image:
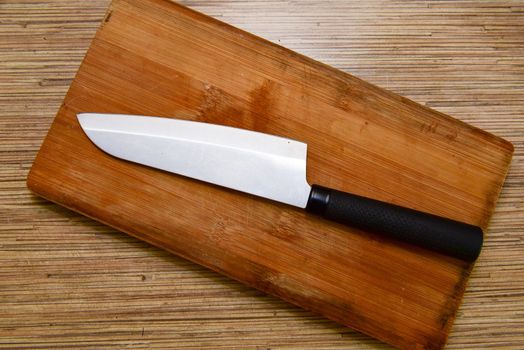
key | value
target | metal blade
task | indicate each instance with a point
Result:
(264, 165)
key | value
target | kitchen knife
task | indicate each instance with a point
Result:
(271, 167)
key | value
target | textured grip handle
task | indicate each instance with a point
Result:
(436, 233)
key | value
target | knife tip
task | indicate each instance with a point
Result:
(87, 120)
(81, 117)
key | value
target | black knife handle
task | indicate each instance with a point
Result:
(436, 233)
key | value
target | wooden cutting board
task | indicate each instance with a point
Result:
(153, 57)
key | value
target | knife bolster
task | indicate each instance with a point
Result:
(318, 200)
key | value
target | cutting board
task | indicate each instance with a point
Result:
(154, 57)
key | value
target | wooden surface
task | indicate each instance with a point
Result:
(68, 281)
(152, 57)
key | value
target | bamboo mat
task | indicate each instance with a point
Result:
(66, 281)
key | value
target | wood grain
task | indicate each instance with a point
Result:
(153, 57)
(83, 299)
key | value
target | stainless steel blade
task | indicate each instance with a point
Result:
(252, 162)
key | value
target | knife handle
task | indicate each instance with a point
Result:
(446, 236)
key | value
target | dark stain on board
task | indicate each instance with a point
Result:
(218, 107)
(451, 306)
(262, 103)
(108, 17)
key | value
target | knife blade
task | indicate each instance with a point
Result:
(271, 167)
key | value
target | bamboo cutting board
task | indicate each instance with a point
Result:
(154, 57)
